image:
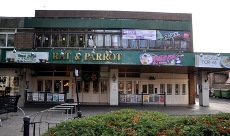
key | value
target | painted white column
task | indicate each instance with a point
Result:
(204, 90)
(113, 86)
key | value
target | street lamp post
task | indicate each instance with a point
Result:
(79, 114)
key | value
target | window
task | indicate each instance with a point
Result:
(40, 85)
(177, 89)
(129, 87)
(151, 89)
(57, 86)
(10, 40)
(72, 40)
(121, 86)
(136, 87)
(38, 40)
(99, 40)
(133, 43)
(116, 41)
(46, 40)
(6, 40)
(144, 88)
(107, 40)
(169, 89)
(143, 44)
(104, 87)
(55, 40)
(183, 89)
(86, 86)
(63, 40)
(2, 40)
(162, 88)
(95, 87)
(81, 40)
(48, 85)
(151, 44)
(125, 43)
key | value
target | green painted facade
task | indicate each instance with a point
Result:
(118, 57)
(92, 23)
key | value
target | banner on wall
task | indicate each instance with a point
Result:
(212, 61)
(166, 59)
(138, 34)
(27, 57)
(173, 35)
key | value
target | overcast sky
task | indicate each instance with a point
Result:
(211, 20)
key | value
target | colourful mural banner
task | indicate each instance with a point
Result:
(173, 35)
(138, 34)
(166, 59)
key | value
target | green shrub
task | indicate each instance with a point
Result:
(129, 122)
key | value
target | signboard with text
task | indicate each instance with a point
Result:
(212, 61)
(27, 57)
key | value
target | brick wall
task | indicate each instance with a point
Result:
(24, 40)
(218, 81)
(192, 88)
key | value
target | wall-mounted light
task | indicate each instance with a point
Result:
(14, 50)
(62, 53)
(181, 54)
(32, 53)
(114, 77)
(201, 55)
(93, 52)
(218, 55)
(207, 77)
(110, 52)
(79, 53)
(145, 54)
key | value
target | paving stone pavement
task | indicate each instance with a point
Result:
(13, 125)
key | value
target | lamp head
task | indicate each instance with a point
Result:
(76, 72)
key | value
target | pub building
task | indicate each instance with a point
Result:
(120, 57)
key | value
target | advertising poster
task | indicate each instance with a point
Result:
(139, 98)
(122, 98)
(35, 96)
(138, 34)
(146, 98)
(166, 59)
(61, 97)
(133, 98)
(41, 97)
(49, 97)
(29, 97)
(55, 97)
(151, 98)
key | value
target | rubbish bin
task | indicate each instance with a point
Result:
(225, 93)
(217, 93)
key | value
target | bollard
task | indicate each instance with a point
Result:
(79, 114)
(26, 120)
